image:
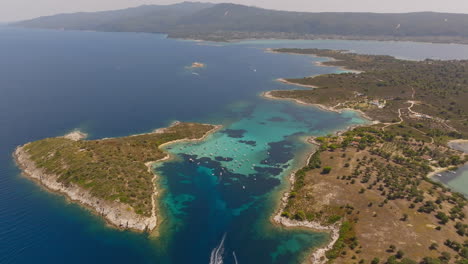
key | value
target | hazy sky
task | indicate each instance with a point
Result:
(11, 10)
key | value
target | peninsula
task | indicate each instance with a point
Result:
(113, 176)
(372, 186)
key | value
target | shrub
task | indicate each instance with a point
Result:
(326, 170)
(442, 217)
(333, 219)
(300, 215)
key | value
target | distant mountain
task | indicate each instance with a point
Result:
(230, 21)
(146, 18)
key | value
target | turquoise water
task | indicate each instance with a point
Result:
(228, 185)
(218, 194)
(456, 180)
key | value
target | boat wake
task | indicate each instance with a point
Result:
(235, 257)
(217, 253)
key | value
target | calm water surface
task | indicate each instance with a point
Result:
(458, 179)
(219, 193)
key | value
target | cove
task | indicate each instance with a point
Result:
(227, 187)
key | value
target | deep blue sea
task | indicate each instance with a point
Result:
(117, 84)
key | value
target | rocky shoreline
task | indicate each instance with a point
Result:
(116, 214)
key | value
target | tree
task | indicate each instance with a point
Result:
(286, 214)
(464, 252)
(300, 216)
(442, 217)
(326, 170)
(405, 217)
(461, 228)
(445, 256)
(433, 246)
(375, 261)
(408, 261)
(400, 254)
(428, 260)
(392, 260)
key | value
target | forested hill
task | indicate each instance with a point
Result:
(230, 21)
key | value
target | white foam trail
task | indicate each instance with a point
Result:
(235, 257)
(217, 253)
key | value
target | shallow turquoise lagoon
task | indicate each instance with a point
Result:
(226, 188)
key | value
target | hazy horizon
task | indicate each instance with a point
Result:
(15, 10)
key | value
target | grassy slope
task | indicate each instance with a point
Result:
(112, 169)
(377, 178)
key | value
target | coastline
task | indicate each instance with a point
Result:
(282, 80)
(318, 255)
(324, 38)
(320, 106)
(76, 135)
(343, 68)
(460, 142)
(115, 214)
(317, 63)
(450, 144)
(169, 157)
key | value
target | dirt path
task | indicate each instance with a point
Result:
(396, 123)
(410, 110)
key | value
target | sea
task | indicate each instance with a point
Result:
(216, 196)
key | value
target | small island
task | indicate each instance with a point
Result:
(372, 187)
(197, 65)
(112, 177)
